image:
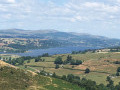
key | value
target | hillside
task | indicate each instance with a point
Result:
(101, 65)
(12, 78)
(66, 38)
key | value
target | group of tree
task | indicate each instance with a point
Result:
(117, 62)
(19, 61)
(111, 86)
(58, 60)
(114, 49)
(69, 60)
(57, 66)
(45, 55)
(84, 51)
(38, 59)
(87, 84)
(118, 71)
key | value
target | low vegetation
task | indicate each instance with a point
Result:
(13, 78)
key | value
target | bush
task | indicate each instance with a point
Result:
(58, 60)
(117, 74)
(118, 69)
(87, 70)
(57, 66)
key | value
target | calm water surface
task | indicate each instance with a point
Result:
(52, 51)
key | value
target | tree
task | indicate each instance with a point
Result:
(69, 58)
(58, 60)
(57, 66)
(110, 84)
(45, 55)
(54, 75)
(37, 60)
(87, 70)
(74, 52)
(28, 61)
(117, 74)
(77, 78)
(70, 77)
(73, 62)
(25, 66)
(118, 69)
(78, 62)
(108, 78)
(64, 77)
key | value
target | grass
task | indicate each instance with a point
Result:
(58, 84)
(100, 64)
(18, 79)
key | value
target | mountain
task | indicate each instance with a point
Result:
(75, 39)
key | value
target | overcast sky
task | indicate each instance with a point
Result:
(97, 17)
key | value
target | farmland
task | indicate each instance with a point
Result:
(101, 65)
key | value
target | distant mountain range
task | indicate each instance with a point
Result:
(68, 38)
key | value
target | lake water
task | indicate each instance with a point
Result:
(52, 51)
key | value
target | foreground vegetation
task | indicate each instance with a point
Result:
(18, 79)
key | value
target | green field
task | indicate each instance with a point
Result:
(100, 64)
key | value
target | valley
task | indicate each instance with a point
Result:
(53, 60)
(102, 64)
(20, 41)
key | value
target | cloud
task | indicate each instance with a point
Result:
(47, 13)
(73, 11)
(11, 1)
(101, 7)
(7, 1)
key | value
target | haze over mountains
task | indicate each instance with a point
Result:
(68, 38)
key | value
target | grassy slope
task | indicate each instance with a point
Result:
(100, 64)
(12, 78)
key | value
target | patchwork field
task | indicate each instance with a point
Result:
(101, 65)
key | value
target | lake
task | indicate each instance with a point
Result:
(52, 51)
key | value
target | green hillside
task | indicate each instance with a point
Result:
(12, 78)
(101, 65)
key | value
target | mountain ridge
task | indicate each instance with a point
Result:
(71, 38)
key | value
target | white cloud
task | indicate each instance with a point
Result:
(11, 1)
(7, 16)
(75, 12)
(118, 1)
(101, 7)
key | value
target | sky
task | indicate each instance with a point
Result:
(96, 17)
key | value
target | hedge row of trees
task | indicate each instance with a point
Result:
(117, 62)
(20, 60)
(83, 82)
(69, 60)
(84, 51)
